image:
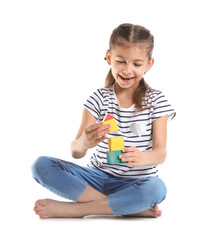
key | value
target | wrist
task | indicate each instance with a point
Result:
(154, 157)
(78, 149)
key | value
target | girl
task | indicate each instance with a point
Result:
(132, 188)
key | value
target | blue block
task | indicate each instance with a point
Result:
(113, 157)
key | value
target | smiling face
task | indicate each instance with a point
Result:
(128, 64)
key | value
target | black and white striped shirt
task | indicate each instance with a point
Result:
(104, 101)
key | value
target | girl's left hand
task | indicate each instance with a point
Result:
(133, 156)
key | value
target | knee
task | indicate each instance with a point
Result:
(153, 191)
(40, 167)
(158, 190)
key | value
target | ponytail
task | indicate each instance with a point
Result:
(139, 95)
(110, 80)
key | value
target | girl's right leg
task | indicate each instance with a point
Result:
(48, 208)
(65, 180)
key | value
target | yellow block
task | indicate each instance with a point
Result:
(116, 143)
(112, 123)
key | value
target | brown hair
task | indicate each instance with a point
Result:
(129, 34)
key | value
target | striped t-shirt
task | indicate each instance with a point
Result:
(104, 101)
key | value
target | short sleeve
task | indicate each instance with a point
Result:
(94, 104)
(162, 107)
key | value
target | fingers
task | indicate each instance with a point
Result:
(101, 132)
(133, 156)
(129, 149)
(128, 155)
(94, 127)
(100, 139)
(97, 130)
(95, 134)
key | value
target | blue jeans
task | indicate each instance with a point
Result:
(125, 195)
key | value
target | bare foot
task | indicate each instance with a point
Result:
(48, 208)
(153, 212)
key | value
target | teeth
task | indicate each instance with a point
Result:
(126, 78)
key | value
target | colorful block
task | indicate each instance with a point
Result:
(108, 117)
(112, 123)
(113, 157)
(116, 143)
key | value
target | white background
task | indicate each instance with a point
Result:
(52, 59)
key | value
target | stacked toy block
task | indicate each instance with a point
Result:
(115, 144)
(111, 120)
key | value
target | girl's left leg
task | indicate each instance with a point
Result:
(139, 199)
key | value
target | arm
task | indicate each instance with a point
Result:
(158, 154)
(89, 135)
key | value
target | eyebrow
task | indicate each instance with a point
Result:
(136, 60)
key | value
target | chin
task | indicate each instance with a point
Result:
(127, 84)
(122, 85)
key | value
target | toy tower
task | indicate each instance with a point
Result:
(115, 144)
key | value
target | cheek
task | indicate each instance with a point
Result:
(116, 69)
(113, 71)
(139, 73)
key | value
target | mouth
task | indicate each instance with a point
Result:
(126, 80)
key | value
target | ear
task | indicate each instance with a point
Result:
(149, 65)
(108, 57)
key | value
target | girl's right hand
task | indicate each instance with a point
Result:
(94, 134)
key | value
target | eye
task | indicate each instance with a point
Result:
(120, 61)
(137, 65)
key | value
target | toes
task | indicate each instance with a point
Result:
(40, 202)
(37, 203)
(44, 217)
(159, 213)
(155, 211)
(40, 208)
(155, 208)
(41, 213)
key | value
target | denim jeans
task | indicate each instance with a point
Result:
(125, 195)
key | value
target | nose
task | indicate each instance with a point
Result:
(127, 68)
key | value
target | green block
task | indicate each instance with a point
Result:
(113, 157)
